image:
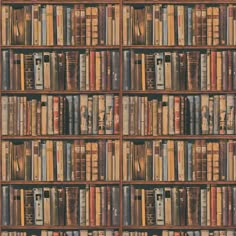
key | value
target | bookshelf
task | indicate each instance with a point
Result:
(118, 209)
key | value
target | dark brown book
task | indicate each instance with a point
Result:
(72, 60)
(139, 162)
(149, 24)
(108, 197)
(18, 165)
(29, 71)
(27, 160)
(139, 26)
(230, 206)
(150, 207)
(204, 159)
(18, 26)
(148, 160)
(102, 24)
(72, 196)
(150, 71)
(102, 159)
(29, 206)
(193, 202)
(92, 77)
(198, 24)
(61, 71)
(182, 206)
(223, 24)
(77, 24)
(198, 160)
(183, 71)
(193, 70)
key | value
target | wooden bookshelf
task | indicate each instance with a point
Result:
(121, 92)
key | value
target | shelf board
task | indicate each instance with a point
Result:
(23, 182)
(182, 137)
(60, 137)
(185, 227)
(58, 227)
(94, 2)
(132, 2)
(145, 182)
(55, 92)
(53, 47)
(173, 47)
(174, 92)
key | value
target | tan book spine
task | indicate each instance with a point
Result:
(117, 160)
(164, 114)
(215, 26)
(22, 74)
(98, 78)
(94, 25)
(98, 206)
(216, 162)
(143, 207)
(209, 25)
(94, 161)
(60, 25)
(88, 13)
(219, 82)
(117, 25)
(88, 161)
(230, 24)
(181, 24)
(209, 160)
(22, 207)
(219, 211)
(170, 25)
(143, 72)
(170, 161)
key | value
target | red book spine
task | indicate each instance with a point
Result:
(92, 208)
(92, 70)
(177, 114)
(116, 114)
(213, 70)
(213, 206)
(108, 206)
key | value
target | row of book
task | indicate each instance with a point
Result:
(49, 160)
(192, 206)
(169, 160)
(94, 206)
(67, 70)
(60, 25)
(84, 232)
(168, 114)
(192, 70)
(204, 232)
(162, 24)
(53, 115)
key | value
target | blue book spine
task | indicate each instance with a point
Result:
(44, 162)
(126, 205)
(165, 165)
(197, 114)
(5, 70)
(189, 164)
(196, 233)
(44, 26)
(190, 34)
(68, 161)
(165, 28)
(68, 26)
(75, 233)
(126, 70)
(5, 206)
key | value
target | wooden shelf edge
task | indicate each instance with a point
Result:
(58, 227)
(56, 92)
(57, 47)
(138, 182)
(20, 182)
(176, 47)
(181, 137)
(185, 227)
(177, 2)
(60, 137)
